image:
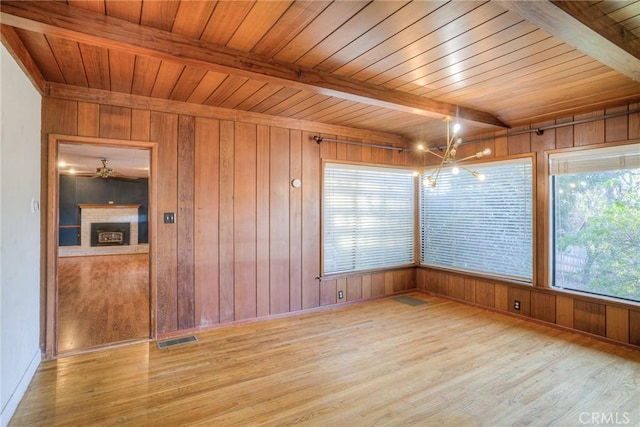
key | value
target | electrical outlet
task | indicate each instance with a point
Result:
(169, 217)
(340, 294)
(516, 305)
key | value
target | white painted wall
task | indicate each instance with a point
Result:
(20, 124)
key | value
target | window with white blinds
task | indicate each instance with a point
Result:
(368, 217)
(480, 226)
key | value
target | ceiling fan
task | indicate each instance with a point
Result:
(108, 163)
(104, 171)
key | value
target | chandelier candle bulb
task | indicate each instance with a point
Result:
(449, 156)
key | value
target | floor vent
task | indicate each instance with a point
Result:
(410, 300)
(177, 341)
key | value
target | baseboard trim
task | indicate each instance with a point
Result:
(18, 393)
(534, 320)
(199, 329)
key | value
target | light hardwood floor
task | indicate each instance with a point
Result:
(379, 362)
(102, 300)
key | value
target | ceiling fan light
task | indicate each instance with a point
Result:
(104, 171)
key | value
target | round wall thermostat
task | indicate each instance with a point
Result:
(296, 183)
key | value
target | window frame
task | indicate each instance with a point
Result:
(534, 210)
(550, 201)
(413, 263)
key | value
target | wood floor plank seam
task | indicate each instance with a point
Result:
(372, 363)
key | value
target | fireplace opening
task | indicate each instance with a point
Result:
(110, 233)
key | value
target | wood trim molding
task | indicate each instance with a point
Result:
(51, 272)
(73, 139)
(76, 93)
(289, 314)
(549, 290)
(530, 319)
(84, 26)
(106, 206)
(51, 299)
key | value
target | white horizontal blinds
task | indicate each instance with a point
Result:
(595, 160)
(480, 226)
(368, 217)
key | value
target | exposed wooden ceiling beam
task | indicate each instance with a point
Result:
(587, 29)
(20, 53)
(58, 19)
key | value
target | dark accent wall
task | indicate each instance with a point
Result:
(76, 190)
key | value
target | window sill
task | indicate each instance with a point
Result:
(585, 296)
(599, 299)
(481, 276)
(336, 276)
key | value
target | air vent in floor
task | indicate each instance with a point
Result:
(405, 299)
(177, 341)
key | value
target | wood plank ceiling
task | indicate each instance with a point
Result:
(391, 66)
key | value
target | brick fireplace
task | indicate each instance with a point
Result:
(114, 224)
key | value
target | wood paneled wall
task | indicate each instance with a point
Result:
(245, 244)
(603, 317)
(365, 286)
(613, 320)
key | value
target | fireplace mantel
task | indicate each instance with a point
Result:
(107, 206)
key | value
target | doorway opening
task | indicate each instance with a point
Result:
(100, 286)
